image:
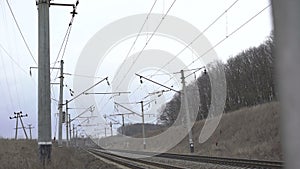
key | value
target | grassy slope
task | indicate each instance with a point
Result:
(247, 133)
(22, 154)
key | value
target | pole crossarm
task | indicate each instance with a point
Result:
(86, 110)
(118, 93)
(196, 70)
(115, 121)
(35, 67)
(120, 114)
(62, 4)
(133, 112)
(19, 115)
(87, 117)
(157, 83)
(88, 89)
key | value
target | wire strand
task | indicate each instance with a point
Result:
(226, 37)
(197, 37)
(19, 29)
(155, 30)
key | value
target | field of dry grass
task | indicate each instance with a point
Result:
(251, 132)
(247, 133)
(22, 154)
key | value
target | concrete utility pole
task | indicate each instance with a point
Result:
(187, 111)
(123, 125)
(123, 120)
(44, 102)
(142, 116)
(19, 115)
(286, 16)
(111, 131)
(73, 133)
(60, 102)
(70, 128)
(143, 124)
(67, 121)
(76, 136)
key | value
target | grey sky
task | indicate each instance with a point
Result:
(18, 90)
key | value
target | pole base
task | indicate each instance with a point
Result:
(192, 147)
(45, 154)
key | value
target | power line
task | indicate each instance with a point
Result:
(147, 17)
(153, 33)
(140, 31)
(66, 37)
(197, 37)
(6, 80)
(86, 76)
(5, 51)
(19, 29)
(200, 35)
(229, 35)
(222, 40)
(16, 86)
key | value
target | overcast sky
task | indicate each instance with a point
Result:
(18, 89)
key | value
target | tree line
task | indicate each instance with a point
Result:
(249, 80)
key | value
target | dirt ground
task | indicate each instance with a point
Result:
(23, 154)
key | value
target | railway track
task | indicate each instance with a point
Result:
(224, 161)
(130, 162)
(247, 163)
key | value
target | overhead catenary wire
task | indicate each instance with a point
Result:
(130, 49)
(13, 60)
(226, 37)
(146, 44)
(7, 83)
(141, 29)
(229, 35)
(86, 76)
(65, 41)
(196, 38)
(67, 34)
(199, 35)
(19, 29)
(139, 33)
(16, 86)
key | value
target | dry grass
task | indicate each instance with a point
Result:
(22, 154)
(251, 132)
(247, 133)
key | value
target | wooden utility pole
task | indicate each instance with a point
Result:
(30, 127)
(19, 115)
